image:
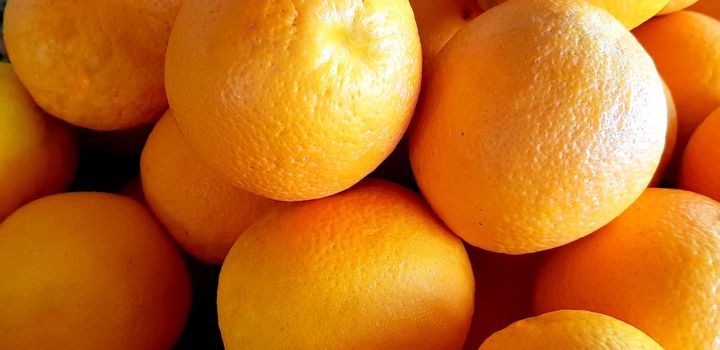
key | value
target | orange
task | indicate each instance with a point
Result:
(654, 267)
(686, 49)
(294, 100)
(522, 160)
(503, 292)
(89, 271)
(570, 330)
(708, 7)
(96, 64)
(676, 5)
(700, 169)
(629, 13)
(438, 21)
(670, 138)
(203, 213)
(38, 154)
(370, 268)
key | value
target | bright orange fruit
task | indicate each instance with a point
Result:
(522, 160)
(203, 213)
(670, 138)
(369, 268)
(654, 267)
(700, 169)
(89, 271)
(38, 154)
(631, 13)
(708, 7)
(294, 100)
(96, 64)
(676, 5)
(686, 49)
(570, 330)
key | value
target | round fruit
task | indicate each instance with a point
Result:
(203, 213)
(570, 330)
(654, 267)
(686, 49)
(438, 21)
(708, 7)
(521, 160)
(38, 154)
(96, 64)
(370, 268)
(670, 138)
(630, 13)
(700, 169)
(89, 271)
(294, 100)
(676, 5)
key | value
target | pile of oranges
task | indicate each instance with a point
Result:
(369, 174)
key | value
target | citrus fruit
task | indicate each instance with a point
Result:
(369, 268)
(686, 49)
(676, 5)
(654, 267)
(294, 100)
(700, 169)
(38, 154)
(96, 64)
(503, 291)
(670, 138)
(708, 7)
(630, 13)
(203, 213)
(570, 330)
(522, 160)
(438, 21)
(89, 271)
(133, 189)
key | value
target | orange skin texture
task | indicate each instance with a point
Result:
(654, 267)
(202, 212)
(708, 7)
(676, 5)
(38, 154)
(670, 139)
(686, 49)
(95, 64)
(522, 160)
(570, 330)
(305, 100)
(503, 291)
(89, 271)
(700, 169)
(629, 13)
(370, 268)
(438, 21)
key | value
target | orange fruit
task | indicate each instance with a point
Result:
(89, 271)
(503, 292)
(676, 5)
(438, 21)
(686, 49)
(96, 64)
(203, 213)
(38, 154)
(654, 267)
(522, 160)
(708, 7)
(670, 138)
(570, 330)
(700, 169)
(294, 100)
(369, 268)
(630, 13)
